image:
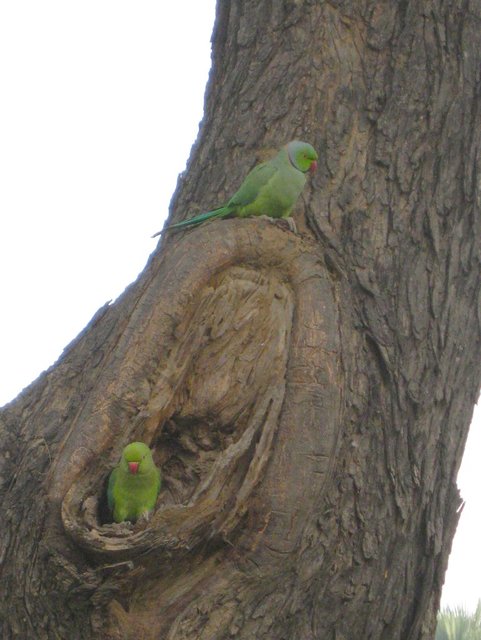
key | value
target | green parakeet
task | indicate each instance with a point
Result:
(134, 484)
(270, 189)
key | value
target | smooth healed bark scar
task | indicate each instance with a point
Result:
(234, 366)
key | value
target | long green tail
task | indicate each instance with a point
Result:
(215, 213)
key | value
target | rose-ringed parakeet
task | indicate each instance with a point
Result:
(134, 484)
(270, 189)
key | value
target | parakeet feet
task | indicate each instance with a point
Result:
(145, 516)
(286, 223)
(273, 187)
(291, 225)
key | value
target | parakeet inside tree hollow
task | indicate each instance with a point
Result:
(134, 484)
(270, 189)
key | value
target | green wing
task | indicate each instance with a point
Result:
(155, 488)
(258, 178)
(247, 193)
(110, 489)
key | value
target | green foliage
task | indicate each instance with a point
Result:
(458, 624)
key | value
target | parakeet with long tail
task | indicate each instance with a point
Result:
(270, 189)
(134, 484)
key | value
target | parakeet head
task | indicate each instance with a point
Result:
(137, 458)
(302, 155)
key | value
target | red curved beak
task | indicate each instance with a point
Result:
(313, 166)
(133, 467)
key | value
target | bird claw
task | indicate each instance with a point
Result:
(285, 223)
(145, 516)
(291, 224)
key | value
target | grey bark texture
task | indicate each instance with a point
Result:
(306, 395)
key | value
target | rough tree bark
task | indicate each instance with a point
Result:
(307, 395)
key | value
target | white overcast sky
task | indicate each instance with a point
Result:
(100, 104)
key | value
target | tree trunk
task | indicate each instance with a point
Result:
(307, 395)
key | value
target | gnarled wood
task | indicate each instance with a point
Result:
(307, 395)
